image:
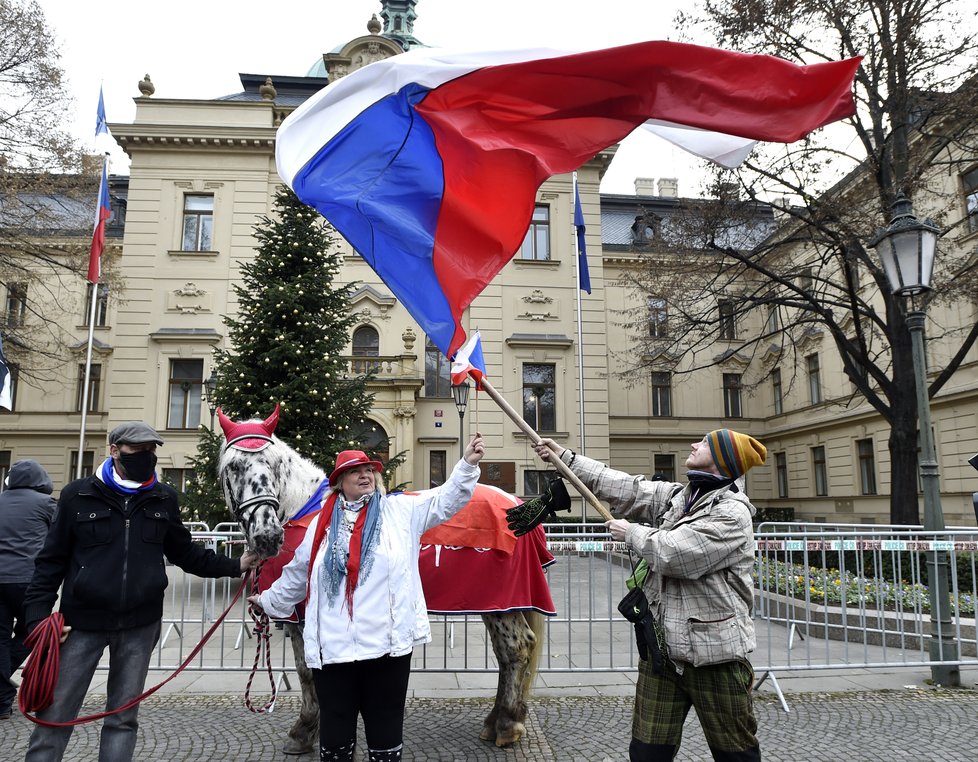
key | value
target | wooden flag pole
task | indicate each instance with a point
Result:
(535, 438)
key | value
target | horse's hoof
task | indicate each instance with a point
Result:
(488, 734)
(294, 748)
(518, 731)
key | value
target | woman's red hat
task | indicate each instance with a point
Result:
(351, 459)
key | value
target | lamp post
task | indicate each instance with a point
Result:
(906, 248)
(210, 395)
(460, 392)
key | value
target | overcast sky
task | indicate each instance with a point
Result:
(196, 48)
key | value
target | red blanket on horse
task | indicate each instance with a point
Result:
(473, 564)
(271, 570)
(464, 580)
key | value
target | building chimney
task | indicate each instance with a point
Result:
(644, 186)
(669, 187)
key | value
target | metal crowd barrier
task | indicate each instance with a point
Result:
(587, 634)
(845, 596)
(826, 597)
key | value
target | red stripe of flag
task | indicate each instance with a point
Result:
(502, 130)
(102, 216)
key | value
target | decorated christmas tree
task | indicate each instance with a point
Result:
(287, 341)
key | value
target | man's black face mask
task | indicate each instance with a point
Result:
(139, 466)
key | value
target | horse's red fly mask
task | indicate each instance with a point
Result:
(251, 436)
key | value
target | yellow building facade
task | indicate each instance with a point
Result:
(203, 172)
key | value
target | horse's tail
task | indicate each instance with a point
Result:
(538, 624)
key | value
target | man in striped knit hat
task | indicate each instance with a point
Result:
(697, 543)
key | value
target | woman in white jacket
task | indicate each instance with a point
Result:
(357, 570)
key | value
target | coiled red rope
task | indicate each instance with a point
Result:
(41, 671)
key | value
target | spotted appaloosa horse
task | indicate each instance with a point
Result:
(267, 484)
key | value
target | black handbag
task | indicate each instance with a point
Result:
(635, 608)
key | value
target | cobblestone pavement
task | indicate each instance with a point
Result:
(866, 726)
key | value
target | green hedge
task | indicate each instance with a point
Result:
(774, 513)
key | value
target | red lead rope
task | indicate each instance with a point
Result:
(41, 671)
(263, 633)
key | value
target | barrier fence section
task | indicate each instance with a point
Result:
(858, 596)
(826, 597)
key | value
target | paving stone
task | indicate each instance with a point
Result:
(863, 726)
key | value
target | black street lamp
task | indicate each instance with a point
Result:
(907, 248)
(210, 395)
(460, 392)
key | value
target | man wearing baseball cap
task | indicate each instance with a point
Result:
(106, 551)
(697, 544)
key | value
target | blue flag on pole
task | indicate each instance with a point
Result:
(6, 395)
(583, 274)
(101, 125)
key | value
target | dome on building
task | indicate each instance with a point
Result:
(398, 27)
(318, 69)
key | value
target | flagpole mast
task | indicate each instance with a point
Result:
(580, 335)
(86, 389)
(88, 373)
(558, 463)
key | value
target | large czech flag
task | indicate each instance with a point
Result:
(428, 162)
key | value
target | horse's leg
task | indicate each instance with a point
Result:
(537, 624)
(304, 734)
(512, 643)
(491, 622)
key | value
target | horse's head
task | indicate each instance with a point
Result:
(252, 470)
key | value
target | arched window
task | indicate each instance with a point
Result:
(366, 343)
(372, 439)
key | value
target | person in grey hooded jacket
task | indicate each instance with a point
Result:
(26, 512)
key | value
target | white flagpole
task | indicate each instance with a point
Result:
(86, 389)
(580, 329)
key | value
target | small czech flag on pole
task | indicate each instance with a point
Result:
(468, 361)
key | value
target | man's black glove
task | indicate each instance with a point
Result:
(527, 516)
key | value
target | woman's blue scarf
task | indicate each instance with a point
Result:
(336, 562)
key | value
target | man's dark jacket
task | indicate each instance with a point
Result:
(108, 550)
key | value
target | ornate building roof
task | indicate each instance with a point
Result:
(394, 36)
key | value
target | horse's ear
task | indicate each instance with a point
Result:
(272, 421)
(226, 423)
